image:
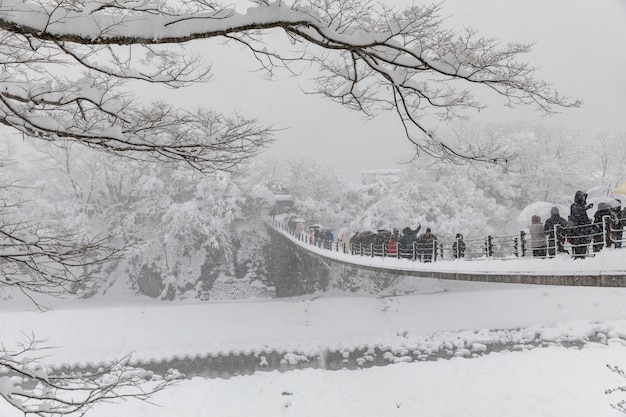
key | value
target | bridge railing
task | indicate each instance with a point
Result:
(586, 240)
(579, 241)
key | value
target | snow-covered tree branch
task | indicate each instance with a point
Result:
(40, 258)
(369, 58)
(29, 385)
(52, 264)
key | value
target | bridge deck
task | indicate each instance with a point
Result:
(606, 269)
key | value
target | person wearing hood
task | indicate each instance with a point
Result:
(581, 225)
(537, 238)
(554, 245)
(458, 247)
(598, 224)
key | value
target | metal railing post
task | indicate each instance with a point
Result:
(606, 229)
(558, 233)
(522, 238)
(554, 242)
(434, 249)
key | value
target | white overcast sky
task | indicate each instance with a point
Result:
(579, 47)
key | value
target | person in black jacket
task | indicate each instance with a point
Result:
(582, 229)
(598, 224)
(406, 241)
(554, 245)
(425, 245)
(458, 247)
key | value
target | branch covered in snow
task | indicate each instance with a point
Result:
(74, 87)
(44, 258)
(31, 387)
(370, 58)
(35, 261)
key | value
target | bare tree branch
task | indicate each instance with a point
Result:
(32, 387)
(40, 259)
(370, 58)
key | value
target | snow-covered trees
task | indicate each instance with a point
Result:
(181, 229)
(44, 255)
(473, 199)
(67, 69)
(317, 189)
(610, 156)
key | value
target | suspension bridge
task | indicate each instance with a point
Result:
(492, 259)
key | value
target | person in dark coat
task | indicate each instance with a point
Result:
(554, 245)
(598, 224)
(581, 225)
(458, 247)
(425, 243)
(409, 236)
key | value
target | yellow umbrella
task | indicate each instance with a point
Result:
(621, 189)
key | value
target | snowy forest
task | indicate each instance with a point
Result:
(189, 235)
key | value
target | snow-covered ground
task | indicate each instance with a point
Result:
(464, 317)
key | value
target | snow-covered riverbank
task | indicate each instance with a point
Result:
(464, 318)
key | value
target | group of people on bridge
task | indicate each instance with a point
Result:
(382, 242)
(409, 244)
(605, 229)
(555, 236)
